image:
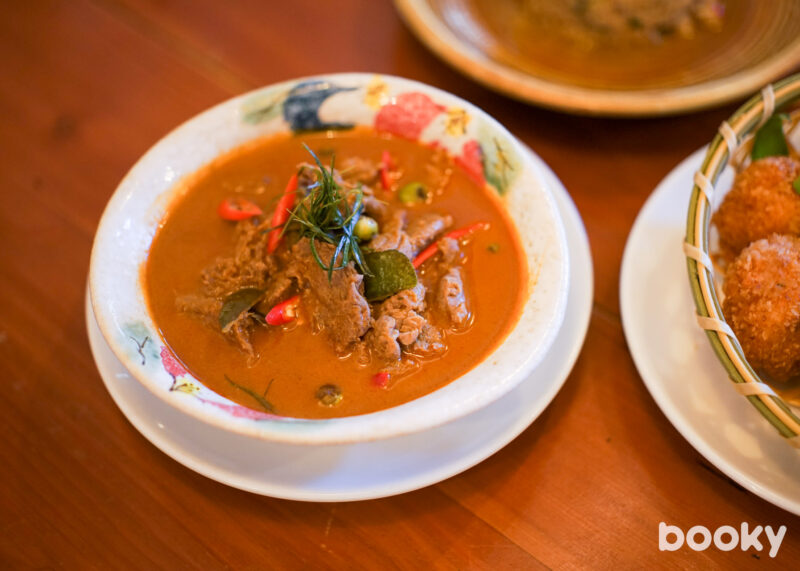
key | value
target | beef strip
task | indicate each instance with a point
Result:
(406, 307)
(392, 236)
(430, 342)
(398, 323)
(377, 209)
(353, 172)
(249, 265)
(411, 239)
(451, 252)
(336, 307)
(423, 230)
(451, 298)
(382, 339)
(357, 170)
(202, 306)
(207, 309)
(306, 175)
(280, 287)
(240, 331)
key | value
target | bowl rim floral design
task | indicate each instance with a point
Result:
(398, 106)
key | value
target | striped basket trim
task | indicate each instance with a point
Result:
(727, 146)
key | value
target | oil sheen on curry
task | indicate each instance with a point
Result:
(333, 274)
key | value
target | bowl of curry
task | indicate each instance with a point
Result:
(332, 259)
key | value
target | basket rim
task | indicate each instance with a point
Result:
(743, 122)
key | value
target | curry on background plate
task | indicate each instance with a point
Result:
(333, 273)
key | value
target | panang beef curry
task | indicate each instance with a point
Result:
(321, 276)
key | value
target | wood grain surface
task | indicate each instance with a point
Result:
(87, 86)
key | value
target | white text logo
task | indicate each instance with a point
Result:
(725, 538)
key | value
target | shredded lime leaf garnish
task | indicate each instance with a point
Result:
(770, 140)
(329, 214)
(265, 404)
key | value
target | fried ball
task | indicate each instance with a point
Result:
(762, 305)
(761, 202)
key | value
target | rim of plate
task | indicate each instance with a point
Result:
(732, 133)
(386, 423)
(427, 27)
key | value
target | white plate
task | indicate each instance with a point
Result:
(676, 361)
(366, 470)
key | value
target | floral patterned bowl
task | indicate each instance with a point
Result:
(404, 108)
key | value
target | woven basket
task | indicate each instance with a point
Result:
(733, 139)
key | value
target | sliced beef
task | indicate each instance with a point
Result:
(337, 307)
(207, 309)
(410, 239)
(392, 236)
(451, 252)
(202, 306)
(249, 266)
(356, 170)
(239, 331)
(280, 287)
(308, 175)
(382, 340)
(430, 342)
(422, 231)
(405, 308)
(398, 323)
(377, 209)
(351, 173)
(410, 328)
(451, 298)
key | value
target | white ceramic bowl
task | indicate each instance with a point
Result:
(403, 107)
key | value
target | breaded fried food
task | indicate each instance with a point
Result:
(761, 202)
(762, 305)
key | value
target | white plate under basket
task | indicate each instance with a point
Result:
(676, 361)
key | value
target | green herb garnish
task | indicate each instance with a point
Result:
(265, 404)
(329, 214)
(770, 140)
(796, 185)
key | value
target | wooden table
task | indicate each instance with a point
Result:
(87, 86)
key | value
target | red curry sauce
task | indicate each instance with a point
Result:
(294, 362)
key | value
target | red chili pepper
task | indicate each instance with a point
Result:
(284, 312)
(386, 165)
(237, 209)
(281, 214)
(381, 379)
(455, 234)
